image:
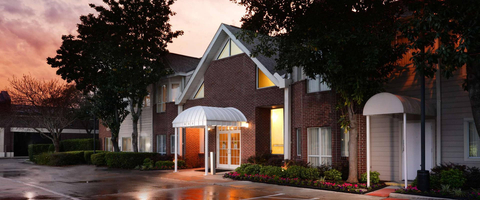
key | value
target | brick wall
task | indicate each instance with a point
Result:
(162, 124)
(102, 134)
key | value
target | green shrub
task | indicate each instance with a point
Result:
(252, 169)
(127, 160)
(67, 158)
(88, 156)
(374, 177)
(42, 159)
(452, 177)
(294, 172)
(37, 149)
(310, 173)
(333, 174)
(241, 169)
(169, 164)
(78, 144)
(98, 159)
(272, 171)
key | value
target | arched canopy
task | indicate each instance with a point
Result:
(200, 116)
(387, 103)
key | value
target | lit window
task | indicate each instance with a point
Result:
(162, 144)
(162, 99)
(319, 146)
(172, 144)
(200, 92)
(299, 142)
(127, 144)
(262, 80)
(316, 85)
(276, 130)
(145, 145)
(146, 100)
(230, 49)
(201, 137)
(473, 141)
(108, 144)
(345, 137)
(175, 91)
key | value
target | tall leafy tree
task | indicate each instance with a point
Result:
(350, 44)
(127, 39)
(455, 27)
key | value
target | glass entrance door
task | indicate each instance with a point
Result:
(228, 147)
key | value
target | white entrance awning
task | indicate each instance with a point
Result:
(387, 103)
(200, 116)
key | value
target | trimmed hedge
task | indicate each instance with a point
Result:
(291, 172)
(37, 149)
(60, 159)
(128, 160)
(88, 156)
(98, 159)
(78, 144)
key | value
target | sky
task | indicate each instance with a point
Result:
(31, 31)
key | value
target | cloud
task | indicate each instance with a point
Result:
(15, 8)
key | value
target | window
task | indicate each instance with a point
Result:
(108, 144)
(175, 91)
(262, 80)
(319, 146)
(126, 144)
(162, 99)
(299, 142)
(345, 137)
(146, 100)
(200, 92)
(230, 49)
(316, 85)
(162, 144)
(201, 137)
(145, 145)
(276, 130)
(172, 144)
(472, 146)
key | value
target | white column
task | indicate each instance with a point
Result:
(286, 125)
(368, 151)
(176, 150)
(206, 150)
(405, 148)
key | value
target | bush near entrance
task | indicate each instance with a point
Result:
(129, 160)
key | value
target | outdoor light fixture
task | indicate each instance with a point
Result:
(245, 124)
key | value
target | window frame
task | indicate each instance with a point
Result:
(320, 155)
(198, 90)
(161, 104)
(164, 144)
(171, 98)
(283, 132)
(107, 141)
(123, 148)
(257, 79)
(298, 131)
(172, 144)
(344, 144)
(229, 43)
(466, 134)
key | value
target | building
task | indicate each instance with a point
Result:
(236, 106)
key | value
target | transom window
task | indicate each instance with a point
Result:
(200, 92)
(262, 80)
(230, 49)
(319, 146)
(316, 85)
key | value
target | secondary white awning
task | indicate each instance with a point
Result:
(200, 116)
(387, 103)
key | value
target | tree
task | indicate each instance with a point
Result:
(127, 39)
(46, 105)
(350, 44)
(455, 26)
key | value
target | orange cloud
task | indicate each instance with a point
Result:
(31, 30)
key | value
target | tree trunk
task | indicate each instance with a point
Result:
(135, 135)
(56, 144)
(473, 88)
(352, 147)
(115, 144)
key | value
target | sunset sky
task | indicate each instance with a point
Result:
(31, 30)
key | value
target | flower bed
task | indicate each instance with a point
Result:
(445, 193)
(360, 188)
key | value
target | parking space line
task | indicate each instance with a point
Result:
(261, 197)
(41, 188)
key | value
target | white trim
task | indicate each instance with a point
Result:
(438, 130)
(176, 150)
(466, 141)
(229, 134)
(287, 124)
(404, 152)
(44, 130)
(320, 153)
(206, 150)
(368, 151)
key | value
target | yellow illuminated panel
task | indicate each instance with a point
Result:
(200, 93)
(225, 52)
(276, 130)
(234, 49)
(263, 80)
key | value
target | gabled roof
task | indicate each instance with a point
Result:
(181, 63)
(267, 65)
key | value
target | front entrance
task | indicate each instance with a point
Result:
(228, 147)
(414, 148)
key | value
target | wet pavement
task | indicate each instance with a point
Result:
(20, 179)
